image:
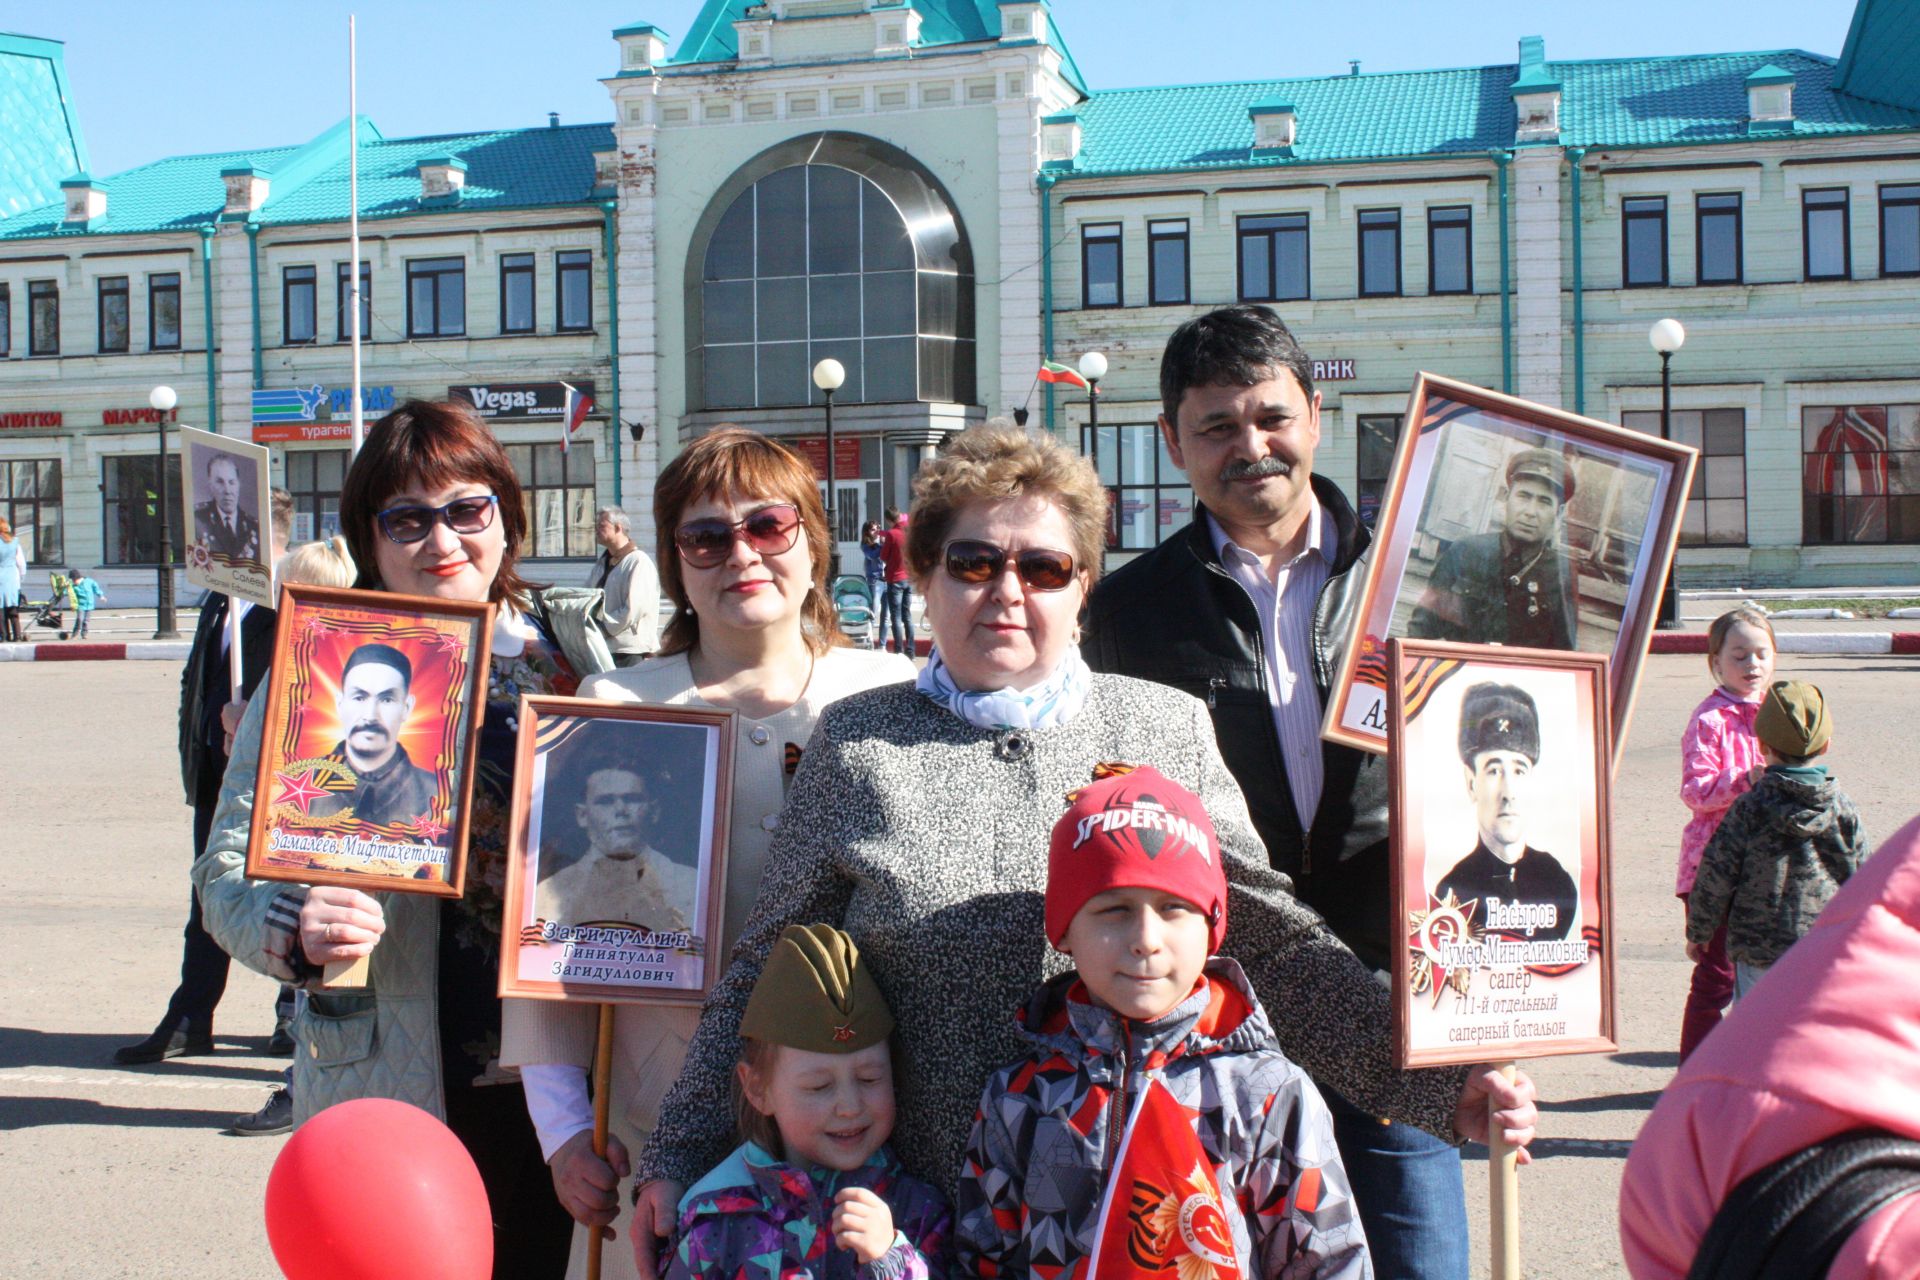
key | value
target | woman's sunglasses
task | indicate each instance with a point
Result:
(1039, 568)
(463, 515)
(770, 531)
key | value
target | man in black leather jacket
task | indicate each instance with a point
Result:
(1247, 608)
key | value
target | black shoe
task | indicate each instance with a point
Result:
(164, 1044)
(275, 1117)
(280, 1043)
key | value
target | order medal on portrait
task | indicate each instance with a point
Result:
(616, 866)
(1499, 773)
(373, 718)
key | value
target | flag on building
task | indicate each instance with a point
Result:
(575, 412)
(1051, 371)
(1162, 1215)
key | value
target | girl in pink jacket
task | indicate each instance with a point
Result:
(1719, 759)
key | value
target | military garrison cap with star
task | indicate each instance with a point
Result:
(1546, 466)
(816, 994)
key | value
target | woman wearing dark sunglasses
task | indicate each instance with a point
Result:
(430, 507)
(744, 561)
(920, 816)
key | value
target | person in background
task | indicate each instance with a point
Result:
(87, 594)
(626, 574)
(13, 577)
(753, 631)
(1784, 848)
(207, 713)
(899, 598)
(1720, 761)
(316, 564)
(871, 539)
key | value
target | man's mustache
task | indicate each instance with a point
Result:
(369, 726)
(1267, 466)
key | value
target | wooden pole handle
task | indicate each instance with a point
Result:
(347, 974)
(1503, 1193)
(602, 1100)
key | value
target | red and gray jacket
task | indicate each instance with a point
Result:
(1044, 1142)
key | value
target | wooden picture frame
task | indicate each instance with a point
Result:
(1471, 465)
(1478, 976)
(413, 670)
(227, 515)
(617, 852)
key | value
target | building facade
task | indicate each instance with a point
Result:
(930, 194)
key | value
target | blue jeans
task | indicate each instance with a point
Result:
(1745, 977)
(1410, 1193)
(876, 599)
(897, 609)
(80, 622)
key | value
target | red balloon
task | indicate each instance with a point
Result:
(377, 1190)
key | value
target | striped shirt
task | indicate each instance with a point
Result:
(1285, 603)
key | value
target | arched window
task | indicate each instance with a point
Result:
(833, 245)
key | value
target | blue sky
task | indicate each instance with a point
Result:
(158, 79)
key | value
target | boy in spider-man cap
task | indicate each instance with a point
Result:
(1155, 1124)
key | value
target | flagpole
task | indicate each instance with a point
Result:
(353, 231)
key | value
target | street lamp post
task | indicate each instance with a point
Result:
(163, 399)
(1667, 337)
(828, 375)
(1093, 367)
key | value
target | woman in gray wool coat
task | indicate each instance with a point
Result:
(919, 820)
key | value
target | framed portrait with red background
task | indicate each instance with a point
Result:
(373, 719)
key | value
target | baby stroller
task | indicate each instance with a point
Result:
(855, 607)
(51, 612)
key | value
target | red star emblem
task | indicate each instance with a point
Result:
(300, 790)
(843, 1033)
(429, 829)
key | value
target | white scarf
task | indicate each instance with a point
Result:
(1054, 701)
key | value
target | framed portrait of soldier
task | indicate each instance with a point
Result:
(224, 486)
(1501, 870)
(1510, 523)
(617, 857)
(374, 707)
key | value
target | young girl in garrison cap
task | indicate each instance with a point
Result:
(813, 1188)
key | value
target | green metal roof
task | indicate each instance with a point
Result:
(1882, 50)
(505, 168)
(42, 143)
(942, 22)
(1629, 102)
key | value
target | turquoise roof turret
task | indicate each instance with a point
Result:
(42, 143)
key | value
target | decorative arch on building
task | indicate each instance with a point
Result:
(829, 245)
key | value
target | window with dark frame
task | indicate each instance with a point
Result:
(299, 296)
(1719, 257)
(1643, 241)
(558, 489)
(1379, 253)
(573, 290)
(30, 500)
(516, 293)
(130, 509)
(1860, 474)
(1168, 283)
(436, 297)
(341, 286)
(43, 318)
(1900, 230)
(1825, 234)
(1100, 265)
(1273, 262)
(114, 320)
(6, 320)
(1151, 498)
(1379, 437)
(1716, 510)
(1450, 249)
(314, 477)
(163, 311)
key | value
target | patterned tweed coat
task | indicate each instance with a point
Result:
(1042, 1151)
(755, 1218)
(925, 838)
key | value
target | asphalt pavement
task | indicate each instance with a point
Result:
(125, 1172)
